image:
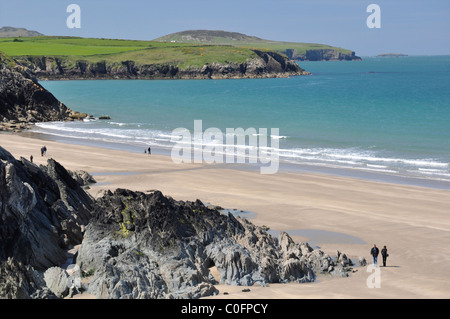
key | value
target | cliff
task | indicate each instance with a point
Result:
(23, 100)
(322, 55)
(267, 64)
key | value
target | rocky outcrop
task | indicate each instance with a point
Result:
(322, 55)
(133, 244)
(83, 178)
(43, 212)
(23, 100)
(150, 246)
(19, 281)
(266, 64)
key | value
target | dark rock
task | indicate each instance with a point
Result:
(43, 212)
(23, 100)
(343, 259)
(362, 261)
(150, 246)
(83, 178)
(19, 281)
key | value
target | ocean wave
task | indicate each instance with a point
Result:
(351, 158)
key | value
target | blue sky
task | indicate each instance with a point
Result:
(415, 27)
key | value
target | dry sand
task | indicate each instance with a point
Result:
(413, 222)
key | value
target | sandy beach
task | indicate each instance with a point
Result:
(413, 222)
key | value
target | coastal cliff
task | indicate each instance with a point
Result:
(23, 100)
(322, 55)
(267, 64)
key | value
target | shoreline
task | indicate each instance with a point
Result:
(414, 222)
(285, 166)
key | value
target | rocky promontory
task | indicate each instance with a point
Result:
(23, 100)
(267, 64)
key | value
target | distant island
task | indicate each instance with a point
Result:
(395, 55)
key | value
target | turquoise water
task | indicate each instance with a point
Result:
(386, 115)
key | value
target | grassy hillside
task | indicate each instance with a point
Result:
(17, 32)
(242, 40)
(181, 55)
(5, 59)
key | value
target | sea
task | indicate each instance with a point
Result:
(382, 118)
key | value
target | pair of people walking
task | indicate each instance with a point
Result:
(375, 252)
(43, 150)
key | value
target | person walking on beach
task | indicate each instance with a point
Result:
(374, 252)
(149, 150)
(385, 255)
(42, 151)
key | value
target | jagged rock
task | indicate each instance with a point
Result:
(150, 246)
(19, 281)
(42, 211)
(343, 259)
(83, 178)
(362, 261)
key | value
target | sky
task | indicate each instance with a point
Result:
(414, 27)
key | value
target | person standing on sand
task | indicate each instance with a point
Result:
(385, 255)
(149, 150)
(374, 252)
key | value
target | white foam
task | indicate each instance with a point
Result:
(350, 158)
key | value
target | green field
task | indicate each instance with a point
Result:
(185, 50)
(54, 46)
(115, 51)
